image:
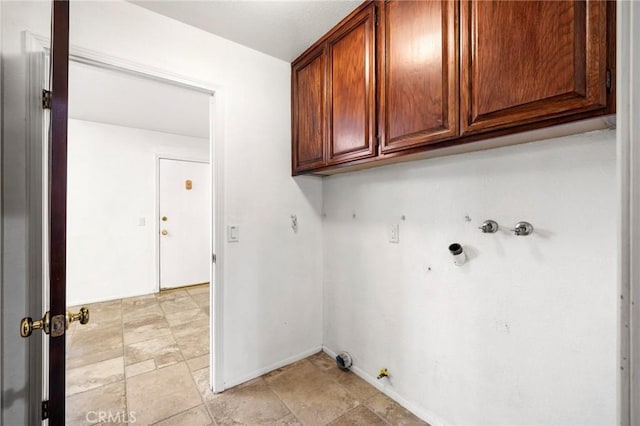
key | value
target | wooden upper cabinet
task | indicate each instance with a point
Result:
(351, 89)
(308, 111)
(418, 54)
(526, 61)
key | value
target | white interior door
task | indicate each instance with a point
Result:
(184, 223)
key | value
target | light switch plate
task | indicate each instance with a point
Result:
(233, 233)
(394, 233)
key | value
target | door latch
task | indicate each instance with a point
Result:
(27, 325)
(55, 325)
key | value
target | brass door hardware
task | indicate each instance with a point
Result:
(164, 218)
(54, 326)
(164, 232)
(27, 325)
(82, 316)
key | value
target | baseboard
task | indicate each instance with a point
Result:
(105, 299)
(257, 373)
(425, 415)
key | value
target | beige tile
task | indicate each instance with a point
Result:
(133, 315)
(392, 412)
(198, 416)
(198, 290)
(327, 365)
(84, 408)
(145, 329)
(201, 379)
(289, 420)
(202, 300)
(176, 293)
(253, 404)
(103, 312)
(313, 396)
(199, 362)
(322, 361)
(136, 316)
(193, 342)
(360, 416)
(139, 302)
(91, 376)
(163, 350)
(139, 368)
(178, 318)
(94, 357)
(168, 359)
(104, 305)
(97, 339)
(162, 393)
(356, 386)
(278, 372)
(202, 324)
(178, 304)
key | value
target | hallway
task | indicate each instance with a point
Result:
(147, 359)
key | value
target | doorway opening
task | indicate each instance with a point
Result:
(139, 245)
(207, 380)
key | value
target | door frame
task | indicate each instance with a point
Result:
(38, 43)
(38, 225)
(157, 206)
(628, 169)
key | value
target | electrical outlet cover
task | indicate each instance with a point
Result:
(394, 233)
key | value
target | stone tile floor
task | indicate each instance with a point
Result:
(147, 359)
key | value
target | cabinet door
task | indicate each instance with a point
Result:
(526, 61)
(308, 111)
(418, 96)
(351, 84)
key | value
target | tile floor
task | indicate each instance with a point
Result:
(148, 357)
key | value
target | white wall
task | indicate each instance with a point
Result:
(271, 267)
(111, 186)
(525, 332)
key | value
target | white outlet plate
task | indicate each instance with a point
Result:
(394, 233)
(233, 233)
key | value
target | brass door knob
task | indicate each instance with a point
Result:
(164, 232)
(27, 325)
(82, 316)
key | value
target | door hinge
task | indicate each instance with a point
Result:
(213, 258)
(608, 79)
(46, 99)
(45, 410)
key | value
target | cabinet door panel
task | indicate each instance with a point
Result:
(419, 88)
(308, 93)
(527, 61)
(351, 89)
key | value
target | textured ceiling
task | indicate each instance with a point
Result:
(283, 29)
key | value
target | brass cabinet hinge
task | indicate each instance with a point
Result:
(609, 82)
(46, 99)
(45, 410)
